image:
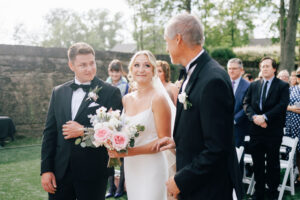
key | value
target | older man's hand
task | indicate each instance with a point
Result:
(172, 188)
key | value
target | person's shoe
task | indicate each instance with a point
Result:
(119, 194)
(110, 193)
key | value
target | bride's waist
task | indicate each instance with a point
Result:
(142, 140)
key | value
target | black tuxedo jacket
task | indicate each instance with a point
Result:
(58, 153)
(207, 166)
(275, 107)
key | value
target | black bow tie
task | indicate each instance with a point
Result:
(85, 88)
(183, 73)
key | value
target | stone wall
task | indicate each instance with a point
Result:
(27, 76)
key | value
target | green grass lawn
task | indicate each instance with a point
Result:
(20, 172)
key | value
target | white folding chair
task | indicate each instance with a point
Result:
(288, 165)
(248, 180)
(239, 153)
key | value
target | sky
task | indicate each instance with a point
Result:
(30, 13)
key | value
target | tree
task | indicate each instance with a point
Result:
(66, 27)
(22, 37)
(288, 34)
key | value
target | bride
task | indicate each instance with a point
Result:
(146, 170)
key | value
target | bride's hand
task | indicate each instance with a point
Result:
(164, 144)
(115, 154)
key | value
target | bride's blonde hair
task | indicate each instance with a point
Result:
(151, 59)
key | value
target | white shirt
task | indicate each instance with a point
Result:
(77, 98)
(236, 84)
(190, 71)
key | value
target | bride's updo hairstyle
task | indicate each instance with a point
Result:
(151, 59)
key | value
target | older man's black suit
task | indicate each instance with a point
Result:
(266, 141)
(70, 162)
(207, 166)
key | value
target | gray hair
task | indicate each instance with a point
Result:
(284, 71)
(188, 26)
(237, 61)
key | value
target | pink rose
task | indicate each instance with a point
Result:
(102, 135)
(120, 141)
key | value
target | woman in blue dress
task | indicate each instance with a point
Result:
(293, 118)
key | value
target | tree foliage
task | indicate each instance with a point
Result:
(226, 23)
(95, 27)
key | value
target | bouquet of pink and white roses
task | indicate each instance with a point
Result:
(111, 131)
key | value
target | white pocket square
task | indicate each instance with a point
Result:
(93, 104)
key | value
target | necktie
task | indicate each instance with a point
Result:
(233, 82)
(264, 93)
(85, 88)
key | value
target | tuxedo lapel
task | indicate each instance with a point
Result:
(68, 102)
(201, 61)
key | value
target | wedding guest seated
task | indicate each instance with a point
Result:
(284, 75)
(116, 78)
(164, 73)
(293, 79)
(292, 124)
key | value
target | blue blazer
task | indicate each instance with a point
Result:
(241, 126)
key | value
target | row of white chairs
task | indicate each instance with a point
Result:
(288, 165)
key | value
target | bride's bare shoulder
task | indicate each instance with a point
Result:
(128, 97)
(158, 98)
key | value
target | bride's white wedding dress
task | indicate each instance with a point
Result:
(145, 174)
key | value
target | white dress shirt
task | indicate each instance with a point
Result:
(190, 71)
(77, 98)
(236, 84)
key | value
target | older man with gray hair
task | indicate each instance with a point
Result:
(284, 75)
(240, 87)
(206, 161)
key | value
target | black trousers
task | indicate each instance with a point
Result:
(70, 189)
(266, 164)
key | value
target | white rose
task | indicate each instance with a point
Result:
(182, 97)
(92, 95)
(132, 130)
(116, 113)
(114, 122)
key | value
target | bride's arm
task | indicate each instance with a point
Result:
(162, 119)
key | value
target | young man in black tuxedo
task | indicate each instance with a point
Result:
(265, 105)
(69, 171)
(206, 160)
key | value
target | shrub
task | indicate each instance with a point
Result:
(222, 55)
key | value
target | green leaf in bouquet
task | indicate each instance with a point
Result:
(122, 151)
(88, 142)
(140, 128)
(136, 134)
(77, 141)
(83, 144)
(131, 143)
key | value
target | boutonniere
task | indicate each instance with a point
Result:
(178, 83)
(183, 98)
(93, 94)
